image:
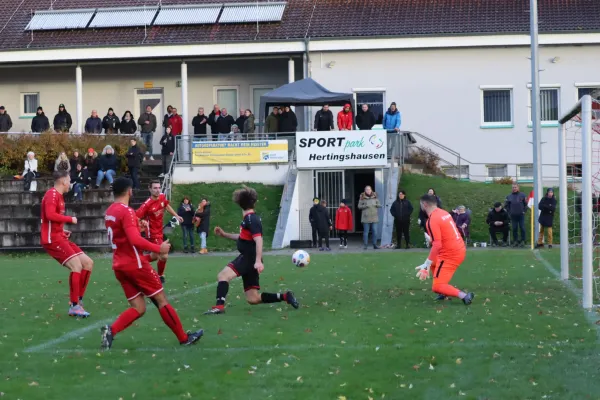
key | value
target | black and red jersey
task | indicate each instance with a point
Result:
(250, 228)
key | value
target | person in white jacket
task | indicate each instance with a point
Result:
(31, 167)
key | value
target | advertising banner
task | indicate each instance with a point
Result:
(240, 152)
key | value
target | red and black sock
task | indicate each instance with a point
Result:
(273, 297)
(171, 319)
(125, 320)
(161, 264)
(74, 286)
(222, 289)
(85, 279)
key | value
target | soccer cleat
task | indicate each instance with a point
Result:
(345, 246)
(162, 279)
(441, 297)
(78, 311)
(215, 310)
(327, 249)
(193, 337)
(468, 298)
(321, 248)
(107, 337)
(549, 246)
(291, 300)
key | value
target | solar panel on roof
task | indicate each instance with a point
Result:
(188, 14)
(252, 12)
(60, 19)
(123, 17)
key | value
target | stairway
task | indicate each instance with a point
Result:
(285, 207)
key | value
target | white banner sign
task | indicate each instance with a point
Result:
(341, 149)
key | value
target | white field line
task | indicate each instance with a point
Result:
(96, 325)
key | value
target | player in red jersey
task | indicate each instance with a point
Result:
(133, 270)
(55, 240)
(447, 251)
(153, 211)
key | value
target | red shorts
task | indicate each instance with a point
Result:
(139, 281)
(62, 251)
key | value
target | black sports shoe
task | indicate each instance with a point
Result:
(162, 279)
(291, 300)
(215, 311)
(107, 337)
(441, 297)
(468, 298)
(193, 337)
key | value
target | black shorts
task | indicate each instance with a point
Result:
(244, 266)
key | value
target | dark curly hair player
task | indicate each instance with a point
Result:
(249, 264)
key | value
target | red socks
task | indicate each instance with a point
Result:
(171, 319)
(85, 279)
(74, 286)
(162, 264)
(125, 319)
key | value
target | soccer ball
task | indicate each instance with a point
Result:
(301, 258)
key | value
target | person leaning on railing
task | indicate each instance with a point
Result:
(168, 149)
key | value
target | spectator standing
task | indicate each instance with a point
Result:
(128, 125)
(5, 121)
(365, 120)
(134, 162)
(241, 119)
(40, 122)
(90, 165)
(30, 172)
(176, 123)
(249, 125)
(289, 122)
(392, 119)
(498, 220)
(272, 121)
(110, 122)
(423, 215)
(186, 211)
(345, 118)
(325, 226)
(223, 124)
(107, 166)
(547, 208)
(344, 222)
(167, 117)
(199, 122)
(62, 120)
(369, 205)
(324, 119)
(93, 123)
(75, 159)
(212, 119)
(168, 149)
(78, 182)
(313, 219)
(62, 162)
(202, 217)
(516, 205)
(148, 124)
(402, 210)
(462, 220)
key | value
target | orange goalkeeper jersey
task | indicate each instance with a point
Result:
(447, 243)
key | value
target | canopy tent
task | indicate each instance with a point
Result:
(306, 92)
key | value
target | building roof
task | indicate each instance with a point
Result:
(308, 18)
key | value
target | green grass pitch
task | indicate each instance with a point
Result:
(367, 329)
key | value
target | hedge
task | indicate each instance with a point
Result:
(47, 146)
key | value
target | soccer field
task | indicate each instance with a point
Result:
(367, 329)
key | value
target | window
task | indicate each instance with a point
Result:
(227, 97)
(452, 171)
(29, 104)
(496, 171)
(525, 173)
(257, 91)
(574, 170)
(549, 104)
(496, 109)
(374, 99)
(594, 91)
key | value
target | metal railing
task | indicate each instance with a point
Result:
(167, 183)
(137, 134)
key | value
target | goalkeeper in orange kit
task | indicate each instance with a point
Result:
(447, 251)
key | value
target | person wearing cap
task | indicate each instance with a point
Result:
(93, 123)
(40, 122)
(547, 208)
(134, 162)
(62, 121)
(343, 222)
(498, 220)
(111, 122)
(392, 118)
(5, 121)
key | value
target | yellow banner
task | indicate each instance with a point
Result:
(240, 152)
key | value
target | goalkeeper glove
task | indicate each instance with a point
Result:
(423, 270)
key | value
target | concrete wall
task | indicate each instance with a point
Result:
(265, 174)
(438, 93)
(292, 228)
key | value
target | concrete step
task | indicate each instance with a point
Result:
(13, 185)
(75, 209)
(84, 238)
(29, 198)
(33, 224)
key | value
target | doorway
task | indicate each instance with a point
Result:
(153, 98)
(329, 186)
(361, 178)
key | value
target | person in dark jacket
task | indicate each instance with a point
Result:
(78, 182)
(40, 122)
(74, 160)
(93, 123)
(5, 120)
(167, 141)
(186, 211)
(365, 119)
(107, 166)
(401, 210)
(199, 122)
(313, 218)
(128, 125)
(249, 126)
(148, 124)
(167, 117)
(62, 120)
(202, 218)
(90, 165)
(289, 121)
(272, 121)
(241, 119)
(547, 208)
(110, 122)
(212, 119)
(134, 162)
(223, 124)
(498, 221)
(324, 119)
(516, 205)
(423, 215)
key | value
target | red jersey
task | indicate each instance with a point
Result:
(53, 217)
(125, 239)
(153, 211)
(447, 244)
(343, 219)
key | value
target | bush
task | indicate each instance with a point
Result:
(47, 146)
(507, 180)
(429, 159)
